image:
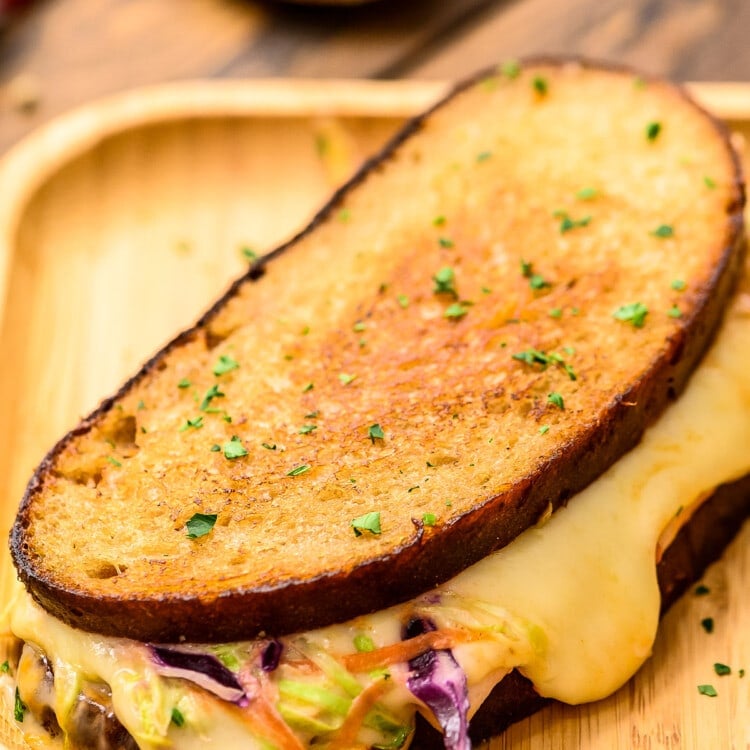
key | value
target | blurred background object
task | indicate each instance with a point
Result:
(55, 54)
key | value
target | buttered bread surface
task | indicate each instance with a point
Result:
(473, 330)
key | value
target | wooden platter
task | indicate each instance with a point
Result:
(120, 222)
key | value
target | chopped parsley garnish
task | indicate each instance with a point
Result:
(248, 253)
(556, 399)
(652, 130)
(346, 378)
(587, 194)
(200, 524)
(567, 223)
(344, 215)
(544, 429)
(446, 242)
(526, 268)
(375, 432)
(741, 673)
(306, 429)
(141, 405)
(113, 461)
(540, 85)
(455, 311)
(483, 156)
(359, 326)
(234, 448)
(225, 364)
(177, 717)
(5, 667)
(634, 313)
(707, 623)
(438, 221)
(537, 357)
(663, 231)
(308, 387)
(445, 281)
(678, 285)
(297, 470)
(184, 383)
(363, 643)
(19, 708)
(511, 69)
(702, 590)
(196, 424)
(722, 669)
(212, 393)
(537, 281)
(269, 446)
(674, 312)
(486, 290)
(312, 415)
(708, 690)
(556, 312)
(215, 448)
(368, 522)
(709, 183)
(429, 519)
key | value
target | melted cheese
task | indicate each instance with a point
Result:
(573, 603)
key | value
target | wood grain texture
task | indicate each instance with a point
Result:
(111, 249)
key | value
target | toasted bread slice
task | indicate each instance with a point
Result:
(475, 327)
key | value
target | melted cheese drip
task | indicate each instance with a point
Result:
(574, 602)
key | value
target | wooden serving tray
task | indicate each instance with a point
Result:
(122, 221)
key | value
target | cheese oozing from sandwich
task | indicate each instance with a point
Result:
(573, 603)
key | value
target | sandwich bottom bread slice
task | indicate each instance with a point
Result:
(557, 246)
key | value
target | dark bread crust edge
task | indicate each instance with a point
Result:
(699, 543)
(421, 563)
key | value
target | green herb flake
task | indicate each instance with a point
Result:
(19, 708)
(184, 383)
(556, 312)
(709, 183)
(200, 524)
(248, 253)
(305, 331)
(215, 448)
(740, 673)
(212, 393)
(113, 461)
(439, 221)
(234, 449)
(269, 446)
(652, 130)
(5, 667)
(308, 387)
(141, 405)
(634, 313)
(537, 282)
(708, 690)
(359, 326)
(526, 268)
(536, 357)
(445, 281)
(368, 522)
(375, 432)
(483, 156)
(707, 623)
(403, 300)
(225, 364)
(674, 312)
(445, 242)
(556, 399)
(722, 669)
(663, 231)
(511, 69)
(567, 223)
(306, 429)
(196, 424)
(544, 429)
(429, 519)
(344, 215)
(297, 470)
(346, 378)
(678, 285)
(587, 194)
(363, 643)
(312, 415)
(540, 85)
(702, 590)
(455, 311)
(177, 717)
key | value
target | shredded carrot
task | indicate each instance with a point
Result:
(346, 734)
(405, 650)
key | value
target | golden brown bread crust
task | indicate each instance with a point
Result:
(282, 556)
(696, 546)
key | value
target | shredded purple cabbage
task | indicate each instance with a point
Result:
(440, 683)
(269, 658)
(200, 668)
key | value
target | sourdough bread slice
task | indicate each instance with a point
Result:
(475, 327)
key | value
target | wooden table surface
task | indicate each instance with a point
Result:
(56, 54)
